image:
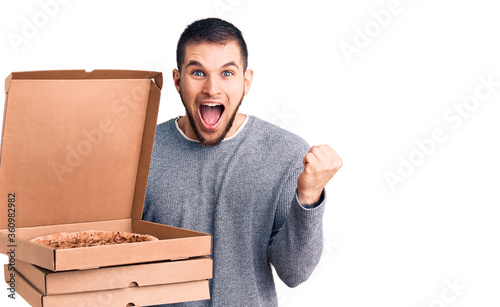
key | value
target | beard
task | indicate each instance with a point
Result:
(220, 138)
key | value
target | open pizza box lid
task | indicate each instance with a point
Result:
(76, 148)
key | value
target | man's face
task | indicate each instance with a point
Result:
(212, 83)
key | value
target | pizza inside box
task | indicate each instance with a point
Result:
(75, 154)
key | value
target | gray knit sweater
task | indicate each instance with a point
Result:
(243, 192)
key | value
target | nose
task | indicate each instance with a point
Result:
(211, 86)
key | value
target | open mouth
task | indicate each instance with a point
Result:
(210, 114)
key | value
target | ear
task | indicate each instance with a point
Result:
(177, 79)
(248, 80)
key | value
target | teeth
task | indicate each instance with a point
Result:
(211, 104)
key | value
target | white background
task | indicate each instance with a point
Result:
(393, 247)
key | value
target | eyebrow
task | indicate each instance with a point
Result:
(196, 63)
(193, 63)
(232, 63)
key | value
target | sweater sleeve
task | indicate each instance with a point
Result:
(297, 239)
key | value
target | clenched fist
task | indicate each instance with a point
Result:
(320, 164)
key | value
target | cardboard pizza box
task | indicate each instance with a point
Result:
(147, 274)
(75, 154)
(130, 296)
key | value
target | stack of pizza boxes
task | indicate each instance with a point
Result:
(75, 155)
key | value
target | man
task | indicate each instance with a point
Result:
(258, 189)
